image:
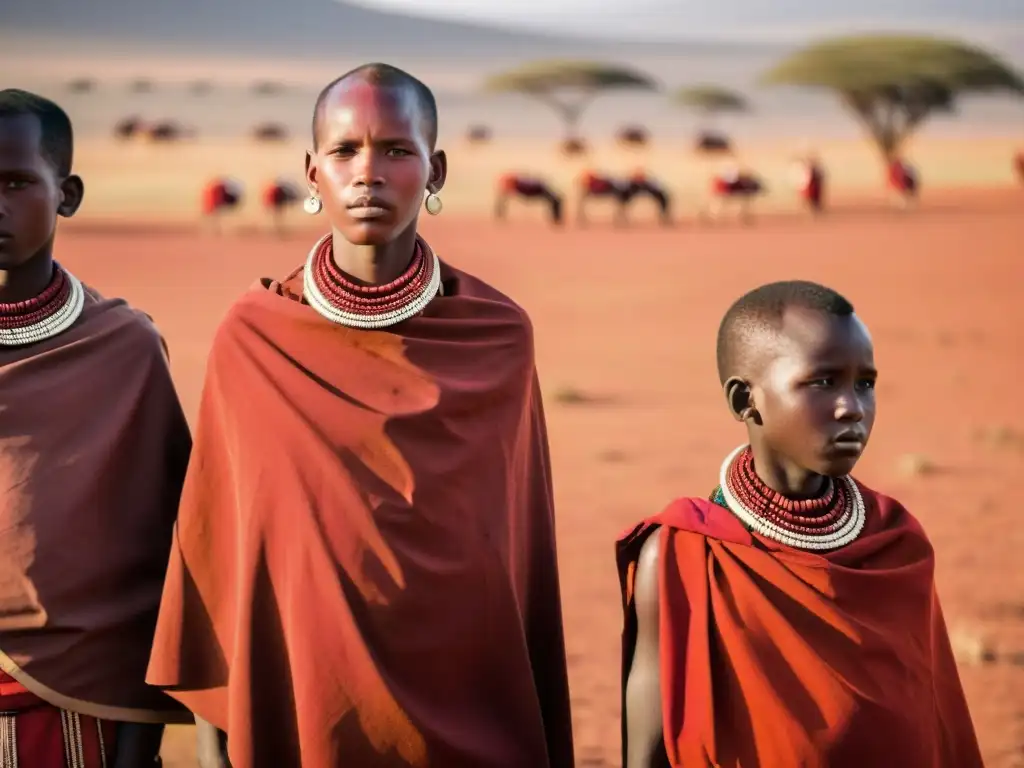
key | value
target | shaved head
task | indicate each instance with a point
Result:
(387, 77)
(756, 317)
(56, 138)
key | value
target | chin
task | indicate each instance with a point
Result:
(370, 233)
(837, 466)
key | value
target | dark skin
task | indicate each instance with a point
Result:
(372, 168)
(32, 196)
(373, 165)
(806, 394)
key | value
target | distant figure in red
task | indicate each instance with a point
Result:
(903, 181)
(603, 187)
(734, 187)
(809, 180)
(640, 184)
(220, 196)
(1019, 165)
(278, 196)
(514, 185)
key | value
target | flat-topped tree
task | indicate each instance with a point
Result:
(569, 87)
(893, 83)
(711, 99)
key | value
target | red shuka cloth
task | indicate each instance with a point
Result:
(365, 571)
(772, 656)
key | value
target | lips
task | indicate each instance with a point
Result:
(850, 441)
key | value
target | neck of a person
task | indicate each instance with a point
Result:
(375, 264)
(784, 476)
(27, 280)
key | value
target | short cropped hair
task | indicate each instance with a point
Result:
(762, 309)
(385, 76)
(57, 137)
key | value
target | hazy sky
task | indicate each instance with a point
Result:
(744, 18)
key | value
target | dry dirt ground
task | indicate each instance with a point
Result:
(625, 324)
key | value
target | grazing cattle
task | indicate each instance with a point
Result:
(516, 186)
(219, 197)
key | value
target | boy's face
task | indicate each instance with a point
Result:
(32, 195)
(374, 162)
(815, 394)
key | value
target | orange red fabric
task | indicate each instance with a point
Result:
(364, 570)
(772, 656)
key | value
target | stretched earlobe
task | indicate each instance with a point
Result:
(739, 398)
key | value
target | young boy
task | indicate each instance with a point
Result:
(791, 619)
(365, 572)
(93, 449)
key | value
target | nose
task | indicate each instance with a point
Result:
(849, 407)
(366, 169)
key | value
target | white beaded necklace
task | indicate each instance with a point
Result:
(851, 522)
(328, 311)
(50, 326)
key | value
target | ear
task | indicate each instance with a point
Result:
(739, 397)
(72, 191)
(438, 171)
(311, 172)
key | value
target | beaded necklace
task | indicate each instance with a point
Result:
(338, 299)
(51, 312)
(832, 520)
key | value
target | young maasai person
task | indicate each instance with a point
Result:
(809, 182)
(364, 570)
(903, 182)
(528, 188)
(93, 449)
(791, 618)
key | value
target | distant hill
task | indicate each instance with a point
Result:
(294, 29)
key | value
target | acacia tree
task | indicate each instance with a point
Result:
(569, 87)
(893, 83)
(709, 101)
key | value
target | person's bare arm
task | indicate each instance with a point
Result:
(644, 731)
(211, 745)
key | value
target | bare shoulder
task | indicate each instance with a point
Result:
(645, 583)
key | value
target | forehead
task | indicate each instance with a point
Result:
(812, 337)
(360, 107)
(20, 137)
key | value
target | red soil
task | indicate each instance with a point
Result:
(628, 319)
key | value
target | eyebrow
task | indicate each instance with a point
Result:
(18, 171)
(820, 370)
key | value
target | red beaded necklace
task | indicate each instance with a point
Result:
(21, 314)
(820, 515)
(344, 294)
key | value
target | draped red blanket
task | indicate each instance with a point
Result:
(93, 449)
(365, 571)
(772, 656)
